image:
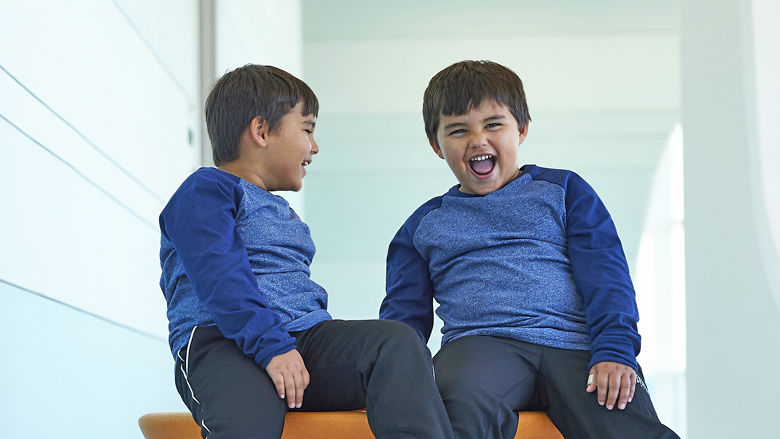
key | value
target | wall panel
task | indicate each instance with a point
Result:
(98, 126)
(71, 240)
(69, 374)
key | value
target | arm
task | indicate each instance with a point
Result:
(200, 222)
(409, 289)
(601, 275)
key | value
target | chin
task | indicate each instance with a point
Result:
(290, 188)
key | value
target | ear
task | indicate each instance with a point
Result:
(524, 133)
(436, 149)
(258, 131)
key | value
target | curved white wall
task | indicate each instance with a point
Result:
(766, 59)
(733, 325)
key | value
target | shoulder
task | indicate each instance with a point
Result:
(572, 183)
(205, 189)
(207, 178)
(561, 177)
(209, 183)
(413, 222)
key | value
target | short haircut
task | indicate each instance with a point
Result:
(248, 92)
(463, 86)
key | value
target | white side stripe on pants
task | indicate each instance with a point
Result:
(185, 369)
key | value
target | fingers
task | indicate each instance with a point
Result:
(278, 380)
(614, 389)
(625, 391)
(602, 383)
(591, 385)
(295, 382)
(615, 384)
(292, 391)
(290, 377)
(301, 381)
(290, 386)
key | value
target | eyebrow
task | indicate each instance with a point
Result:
(487, 119)
(311, 123)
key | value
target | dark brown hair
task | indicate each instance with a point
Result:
(463, 86)
(248, 92)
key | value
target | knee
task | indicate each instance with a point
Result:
(398, 330)
(399, 340)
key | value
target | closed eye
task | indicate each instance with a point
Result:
(457, 132)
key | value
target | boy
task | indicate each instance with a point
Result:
(529, 274)
(248, 327)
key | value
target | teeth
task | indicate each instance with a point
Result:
(481, 157)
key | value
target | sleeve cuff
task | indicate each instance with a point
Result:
(619, 352)
(267, 354)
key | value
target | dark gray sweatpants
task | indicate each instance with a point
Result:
(485, 380)
(377, 364)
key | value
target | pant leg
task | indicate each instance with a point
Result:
(483, 382)
(577, 414)
(381, 365)
(229, 395)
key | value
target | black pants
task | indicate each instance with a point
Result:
(380, 365)
(485, 380)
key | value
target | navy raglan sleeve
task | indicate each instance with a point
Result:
(200, 221)
(601, 275)
(409, 290)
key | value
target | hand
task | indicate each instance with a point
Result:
(614, 381)
(290, 377)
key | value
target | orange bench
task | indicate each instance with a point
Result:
(322, 425)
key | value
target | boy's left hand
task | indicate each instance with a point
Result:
(614, 381)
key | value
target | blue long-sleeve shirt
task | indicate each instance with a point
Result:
(236, 256)
(538, 260)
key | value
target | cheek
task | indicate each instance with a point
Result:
(514, 144)
(455, 165)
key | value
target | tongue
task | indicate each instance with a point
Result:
(482, 167)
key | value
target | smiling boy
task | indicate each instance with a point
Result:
(530, 276)
(249, 329)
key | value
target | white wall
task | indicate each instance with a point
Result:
(95, 116)
(766, 157)
(733, 330)
(659, 280)
(99, 123)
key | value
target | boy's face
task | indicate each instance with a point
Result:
(291, 147)
(481, 147)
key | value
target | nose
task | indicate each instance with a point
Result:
(478, 139)
(315, 148)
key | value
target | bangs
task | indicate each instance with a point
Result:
(465, 85)
(458, 99)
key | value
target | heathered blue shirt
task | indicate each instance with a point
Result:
(236, 256)
(538, 260)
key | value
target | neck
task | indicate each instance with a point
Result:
(246, 172)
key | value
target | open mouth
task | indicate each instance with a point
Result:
(482, 165)
(306, 163)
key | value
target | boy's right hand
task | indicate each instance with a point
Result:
(615, 383)
(290, 377)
